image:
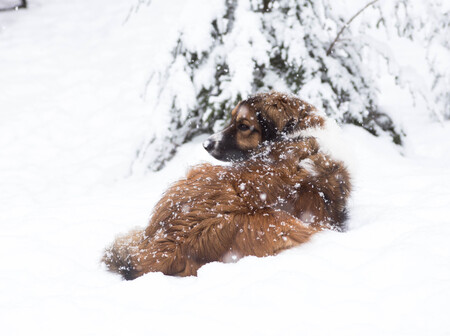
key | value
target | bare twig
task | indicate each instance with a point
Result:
(347, 24)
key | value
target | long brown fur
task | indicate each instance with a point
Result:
(275, 199)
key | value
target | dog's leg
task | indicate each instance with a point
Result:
(268, 232)
(228, 238)
(262, 233)
(135, 254)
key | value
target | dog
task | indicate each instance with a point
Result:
(278, 191)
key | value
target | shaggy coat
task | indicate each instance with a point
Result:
(282, 191)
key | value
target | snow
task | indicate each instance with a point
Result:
(71, 118)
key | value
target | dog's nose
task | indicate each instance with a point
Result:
(208, 144)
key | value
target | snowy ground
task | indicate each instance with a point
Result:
(70, 120)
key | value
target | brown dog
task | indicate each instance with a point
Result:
(282, 190)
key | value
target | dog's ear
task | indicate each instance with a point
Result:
(269, 130)
(276, 110)
(279, 113)
(291, 114)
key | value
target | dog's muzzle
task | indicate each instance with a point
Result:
(212, 144)
(222, 148)
(208, 145)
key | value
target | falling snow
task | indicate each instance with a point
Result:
(73, 113)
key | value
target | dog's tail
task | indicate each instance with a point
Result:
(119, 256)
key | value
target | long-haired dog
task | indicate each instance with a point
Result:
(278, 191)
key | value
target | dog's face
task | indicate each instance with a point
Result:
(236, 142)
(259, 120)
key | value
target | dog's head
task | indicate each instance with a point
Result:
(259, 120)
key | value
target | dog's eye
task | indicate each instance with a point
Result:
(243, 127)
